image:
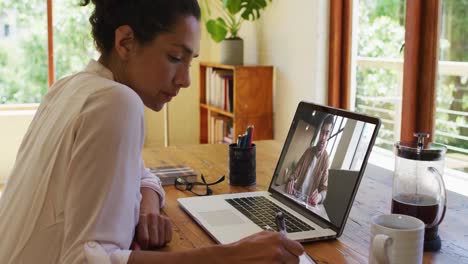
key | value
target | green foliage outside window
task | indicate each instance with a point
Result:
(23, 54)
(381, 35)
(453, 90)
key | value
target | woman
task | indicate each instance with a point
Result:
(79, 192)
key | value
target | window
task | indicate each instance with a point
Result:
(73, 43)
(6, 30)
(379, 65)
(335, 136)
(396, 75)
(363, 145)
(379, 72)
(451, 127)
(24, 48)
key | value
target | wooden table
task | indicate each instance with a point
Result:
(374, 197)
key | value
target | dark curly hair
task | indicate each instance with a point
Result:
(147, 18)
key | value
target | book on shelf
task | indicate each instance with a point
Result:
(227, 140)
(219, 88)
(168, 174)
(220, 128)
(208, 84)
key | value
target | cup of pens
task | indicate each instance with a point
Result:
(242, 162)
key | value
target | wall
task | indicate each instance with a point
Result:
(13, 126)
(293, 37)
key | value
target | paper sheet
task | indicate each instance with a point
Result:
(305, 259)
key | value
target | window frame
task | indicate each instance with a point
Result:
(420, 68)
(339, 53)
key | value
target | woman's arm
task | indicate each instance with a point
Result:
(102, 189)
(153, 230)
(149, 180)
(149, 201)
(264, 247)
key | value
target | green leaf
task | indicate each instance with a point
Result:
(218, 29)
(251, 8)
(233, 6)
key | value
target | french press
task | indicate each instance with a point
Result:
(418, 186)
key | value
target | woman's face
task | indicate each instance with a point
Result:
(157, 70)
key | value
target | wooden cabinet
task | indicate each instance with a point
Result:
(233, 97)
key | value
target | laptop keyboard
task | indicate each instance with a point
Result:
(262, 212)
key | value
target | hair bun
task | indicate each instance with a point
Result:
(95, 2)
(147, 18)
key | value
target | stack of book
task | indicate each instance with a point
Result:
(168, 174)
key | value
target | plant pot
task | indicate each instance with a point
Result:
(232, 51)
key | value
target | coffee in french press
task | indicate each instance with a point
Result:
(418, 186)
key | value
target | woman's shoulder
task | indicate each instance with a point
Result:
(91, 96)
(104, 92)
(117, 99)
(113, 109)
(117, 94)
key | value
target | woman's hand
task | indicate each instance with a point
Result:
(153, 230)
(264, 247)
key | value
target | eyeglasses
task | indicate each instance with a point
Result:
(198, 188)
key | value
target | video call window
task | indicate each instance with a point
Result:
(321, 175)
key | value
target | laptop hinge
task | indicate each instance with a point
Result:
(303, 211)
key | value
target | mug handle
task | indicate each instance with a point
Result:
(380, 244)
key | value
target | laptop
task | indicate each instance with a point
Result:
(345, 138)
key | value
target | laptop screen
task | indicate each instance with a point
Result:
(323, 158)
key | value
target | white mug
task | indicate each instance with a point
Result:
(396, 238)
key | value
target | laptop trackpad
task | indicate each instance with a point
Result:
(221, 217)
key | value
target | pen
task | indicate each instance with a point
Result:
(251, 135)
(239, 141)
(280, 223)
(246, 139)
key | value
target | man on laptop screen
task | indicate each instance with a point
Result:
(308, 181)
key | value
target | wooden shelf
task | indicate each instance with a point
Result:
(231, 67)
(251, 99)
(215, 109)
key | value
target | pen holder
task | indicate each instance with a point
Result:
(242, 169)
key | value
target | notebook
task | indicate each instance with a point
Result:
(325, 152)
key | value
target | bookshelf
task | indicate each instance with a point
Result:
(233, 97)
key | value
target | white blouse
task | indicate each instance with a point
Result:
(73, 195)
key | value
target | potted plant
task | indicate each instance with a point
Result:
(225, 28)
